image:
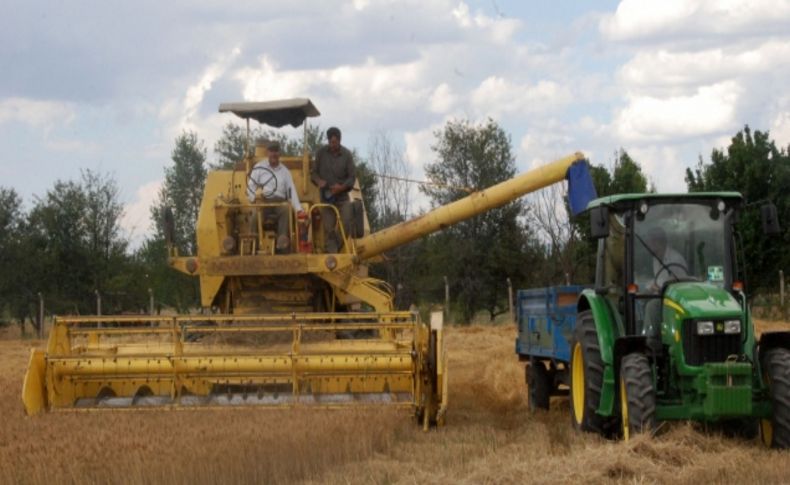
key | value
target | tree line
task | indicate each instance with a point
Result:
(69, 244)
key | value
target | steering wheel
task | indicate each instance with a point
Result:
(666, 267)
(268, 179)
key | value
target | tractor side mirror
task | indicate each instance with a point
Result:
(770, 220)
(599, 222)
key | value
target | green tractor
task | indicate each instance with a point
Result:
(666, 332)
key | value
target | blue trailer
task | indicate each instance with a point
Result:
(546, 319)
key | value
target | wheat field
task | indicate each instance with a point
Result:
(490, 437)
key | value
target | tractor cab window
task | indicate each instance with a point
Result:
(675, 242)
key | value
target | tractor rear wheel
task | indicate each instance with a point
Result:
(637, 396)
(586, 377)
(775, 432)
(539, 382)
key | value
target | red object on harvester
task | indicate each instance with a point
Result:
(303, 227)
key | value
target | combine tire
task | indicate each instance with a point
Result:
(637, 396)
(586, 377)
(539, 381)
(775, 432)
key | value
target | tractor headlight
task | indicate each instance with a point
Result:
(705, 328)
(732, 326)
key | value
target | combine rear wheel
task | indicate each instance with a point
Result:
(586, 377)
(637, 396)
(775, 432)
(539, 382)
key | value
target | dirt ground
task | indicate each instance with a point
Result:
(490, 437)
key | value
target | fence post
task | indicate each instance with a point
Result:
(150, 301)
(446, 299)
(782, 293)
(98, 302)
(510, 301)
(40, 315)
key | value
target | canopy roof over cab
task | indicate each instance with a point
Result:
(276, 113)
(620, 201)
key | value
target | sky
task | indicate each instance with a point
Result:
(108, 85)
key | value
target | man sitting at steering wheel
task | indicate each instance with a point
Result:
(668, 265)
(272, 182)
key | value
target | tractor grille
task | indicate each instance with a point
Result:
(708, 348)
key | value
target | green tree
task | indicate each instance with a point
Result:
(624, 176)
(230, 147)
(13, 271)
(754, 166)
(479, 254)
(182, 191)
(75, 234)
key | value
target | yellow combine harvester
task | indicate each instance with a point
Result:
(301, 328)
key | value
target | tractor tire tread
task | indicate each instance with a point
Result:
(587, 335)
(777, 364)
(637, 376)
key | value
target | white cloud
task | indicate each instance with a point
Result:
(496, 96)
(661, 69)
(184, 110)
(355, 94)
(780, 129)
(442, 99)
(418, 148)
(136, 220)
(637, 19)
(663, 166)
(36, 113)
(499, 30)
(710, 110)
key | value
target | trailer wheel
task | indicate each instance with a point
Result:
(539, 382)
(637, 396)
(775, 432)
(586, 377)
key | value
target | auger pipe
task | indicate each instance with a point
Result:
(463, 209)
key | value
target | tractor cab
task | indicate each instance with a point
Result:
(666, 244)
(666, 333)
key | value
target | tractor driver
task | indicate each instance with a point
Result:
(334, 174)
(668, 264)
(272, 182)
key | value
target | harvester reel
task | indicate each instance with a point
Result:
(268, 180)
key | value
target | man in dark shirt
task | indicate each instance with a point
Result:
(334, 174)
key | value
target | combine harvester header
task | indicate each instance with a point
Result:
(293, 327)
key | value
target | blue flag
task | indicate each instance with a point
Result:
(580, 187)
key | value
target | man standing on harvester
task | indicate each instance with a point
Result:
(334, 174)
(272, 182)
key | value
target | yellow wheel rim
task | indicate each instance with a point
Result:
(577, 387)
(624, 409)
(767, 432)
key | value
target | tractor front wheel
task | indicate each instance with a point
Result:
(775, 432)
(586, 377)
(637, 396)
